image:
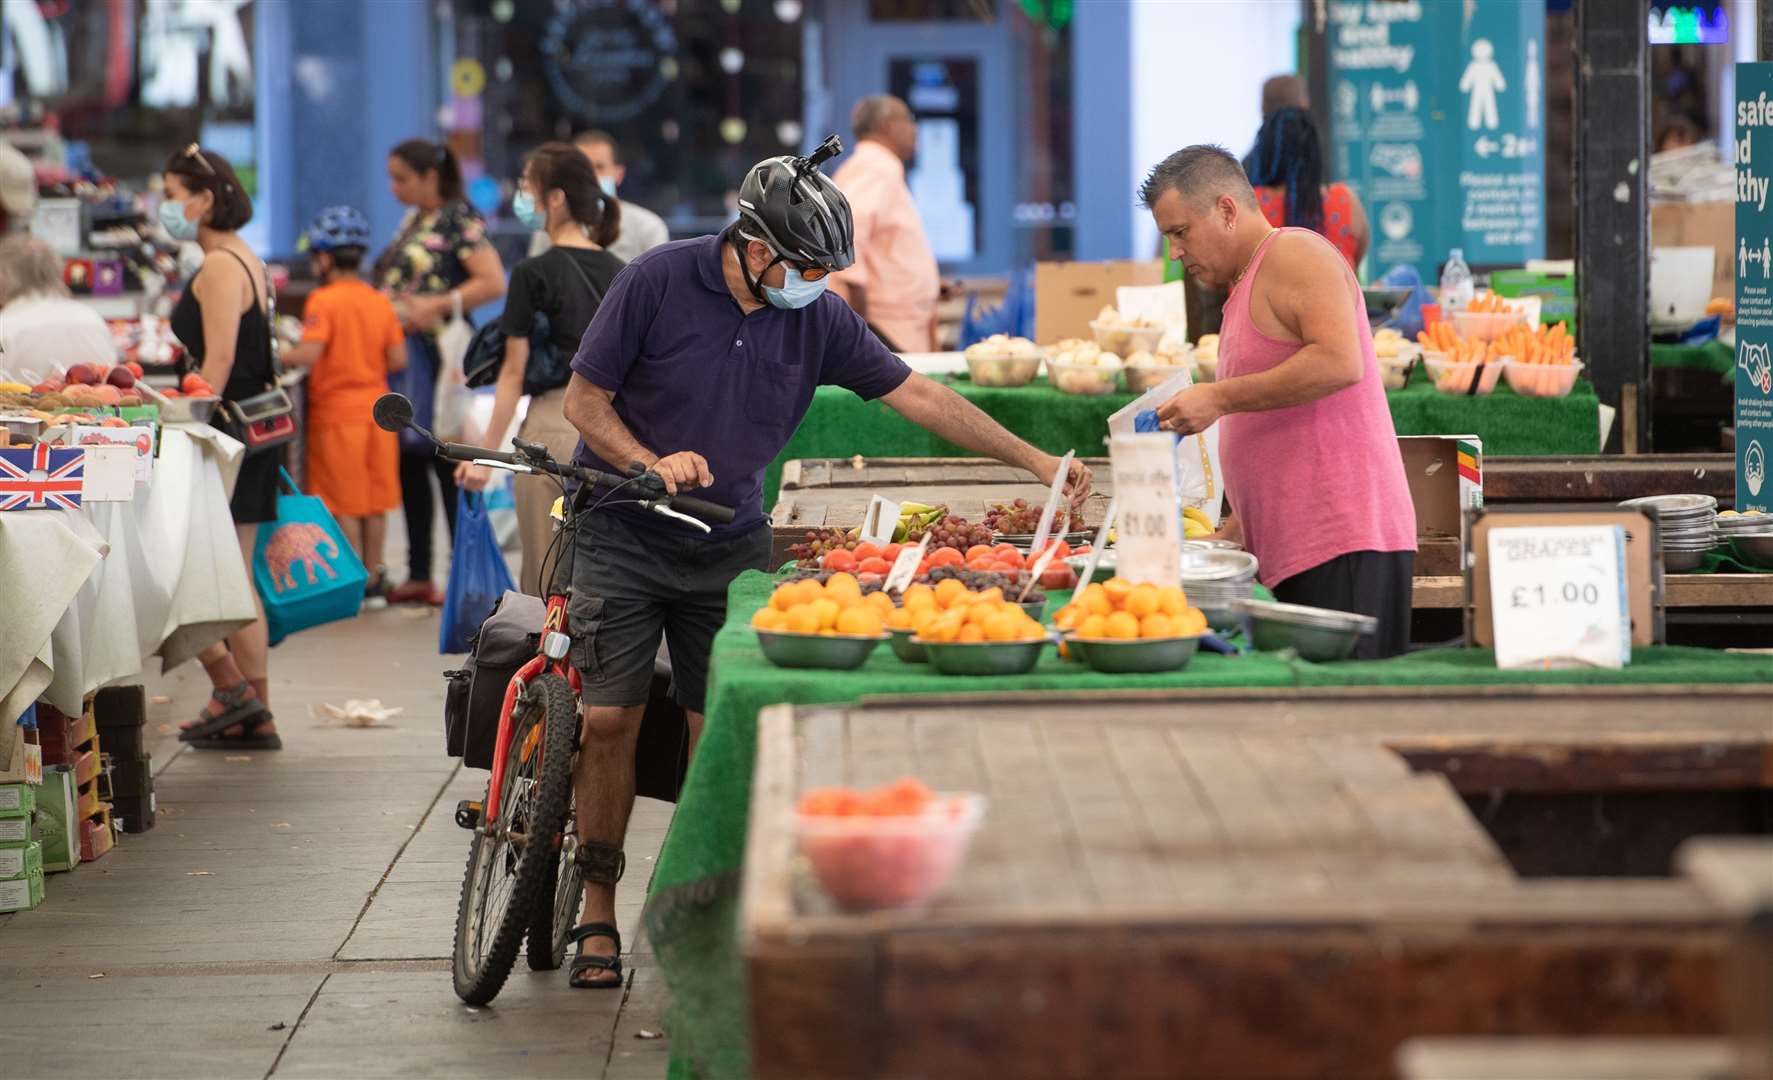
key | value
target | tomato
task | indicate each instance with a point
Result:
(1064, 550)
(981, 564)
(840, 560)
(923, 569)
(946, 557)
(1058, 577)
(891, 552)
(1004, 566)
(865, 551)
(978, 551)
(874, 564)
(1007, 549)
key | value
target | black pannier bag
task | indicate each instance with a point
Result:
(507, 641)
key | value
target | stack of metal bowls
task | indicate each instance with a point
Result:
(1750, 535)
(1689, 527)
(1216, 581)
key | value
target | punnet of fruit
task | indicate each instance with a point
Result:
(836, 606)
(950, 612)
(1119, 610)
(891, 847)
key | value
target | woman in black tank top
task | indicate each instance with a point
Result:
(222, 321)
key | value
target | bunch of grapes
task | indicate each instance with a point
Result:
(818, 542)
(822, 576)
(1020, 519)
(958, 533)
(980, 580)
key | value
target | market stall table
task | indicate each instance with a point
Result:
(692, 911)
(93, 593)
(1251, 886)
(840, 424)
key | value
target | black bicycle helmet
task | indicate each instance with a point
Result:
(794, 208)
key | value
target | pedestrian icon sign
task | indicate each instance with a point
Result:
(1482, 81)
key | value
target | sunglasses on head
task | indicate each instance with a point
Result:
(196, 154)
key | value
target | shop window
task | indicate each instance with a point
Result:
(694, 92)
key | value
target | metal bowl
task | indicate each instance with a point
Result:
(1756, 549)
(835, 652)
(1104, 567)
(1683, 559)
(982, 657)
(1218, 565)
(906, 649)
(1026, 540)
(1137, 657)
(1036, 609)
(1316, 634)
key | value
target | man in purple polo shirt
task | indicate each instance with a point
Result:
(700, 363)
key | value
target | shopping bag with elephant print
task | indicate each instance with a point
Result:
(304, 570)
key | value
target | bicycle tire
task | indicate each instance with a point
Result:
(557, 907)
(540, 811)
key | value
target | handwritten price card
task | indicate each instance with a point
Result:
(1148, 495)
(1558, 598)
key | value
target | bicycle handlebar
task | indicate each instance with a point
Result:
(394, 411)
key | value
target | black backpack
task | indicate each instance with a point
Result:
(546, 369)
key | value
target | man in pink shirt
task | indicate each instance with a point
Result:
(894, 282)
(1305, 436)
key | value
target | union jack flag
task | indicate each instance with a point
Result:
(41, 476)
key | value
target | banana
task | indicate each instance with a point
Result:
(1194, 513)
(914, 509)
(1194, 530)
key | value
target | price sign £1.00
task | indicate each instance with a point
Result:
(1148, 493)
(1558, 598)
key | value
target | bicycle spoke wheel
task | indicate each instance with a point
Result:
(511, 863)
(558, 910)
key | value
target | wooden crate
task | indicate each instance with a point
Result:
(1230, 884)
(96, 835)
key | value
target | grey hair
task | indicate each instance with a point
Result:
(873, 111)
(29, 265)
(1199, 173)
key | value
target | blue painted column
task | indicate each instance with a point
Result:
(1102, 142)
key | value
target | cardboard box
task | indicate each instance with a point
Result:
(137, 440)
(56, 825)
(15, 830)
(25, 764)
(97, 836)
(1068, 295)
(17, 800)
(1446, 478)
(18, 862)
(23, 894)
(1700, 224)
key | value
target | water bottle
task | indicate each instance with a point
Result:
(1456, 287)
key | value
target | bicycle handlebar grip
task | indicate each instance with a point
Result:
(464, 452)
(707, 511)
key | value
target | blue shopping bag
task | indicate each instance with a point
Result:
(478, 575)
(305, 572)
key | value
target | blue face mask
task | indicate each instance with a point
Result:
(796, 291)
(523, 204)
(608, 184)
(174, 221)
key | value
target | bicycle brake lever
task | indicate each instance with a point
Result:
(533, 451)
(666, 511)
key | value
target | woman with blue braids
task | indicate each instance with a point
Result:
(1287, 168)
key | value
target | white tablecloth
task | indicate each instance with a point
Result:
(90, 595)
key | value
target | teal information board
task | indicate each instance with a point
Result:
(1437, 119)
(1754, 284)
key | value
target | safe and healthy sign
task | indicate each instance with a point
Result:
(1437, 120)
(1754, 285)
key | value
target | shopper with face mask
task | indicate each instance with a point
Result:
(560, 289)
(699, 365)
(223, 320)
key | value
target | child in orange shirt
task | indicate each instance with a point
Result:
(352, 340)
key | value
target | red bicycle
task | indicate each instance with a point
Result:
(524, 877)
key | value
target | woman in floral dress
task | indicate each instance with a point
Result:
(440, 253)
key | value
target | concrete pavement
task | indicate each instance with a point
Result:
(291, 913)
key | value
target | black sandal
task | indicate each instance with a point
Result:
(248, 739)
(248, 712)
(583, 963)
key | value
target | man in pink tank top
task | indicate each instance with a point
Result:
(1309, 452)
